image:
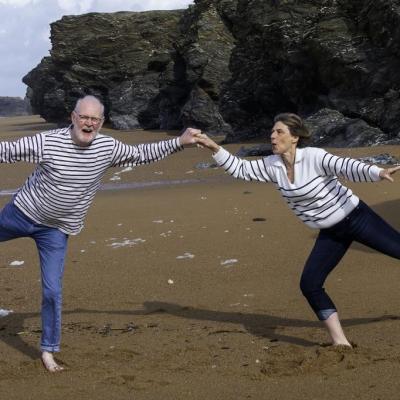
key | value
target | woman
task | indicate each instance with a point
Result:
(308, 180)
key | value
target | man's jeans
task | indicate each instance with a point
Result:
(52, 245)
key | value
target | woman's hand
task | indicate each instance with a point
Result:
(204, 141)
(388, 172)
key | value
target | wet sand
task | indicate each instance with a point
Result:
(187, 288)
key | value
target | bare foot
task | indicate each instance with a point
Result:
(335, 330)
(49, 362)
(346, 344)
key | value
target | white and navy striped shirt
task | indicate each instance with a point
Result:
(64, 183)
(316, 196)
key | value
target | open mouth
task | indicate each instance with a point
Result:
(87, 130)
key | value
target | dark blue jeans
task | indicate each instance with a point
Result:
(52, 246)
(362, 225)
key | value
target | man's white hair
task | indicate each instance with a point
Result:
(89, 98)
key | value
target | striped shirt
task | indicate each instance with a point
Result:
(316, 196)
(60, 190)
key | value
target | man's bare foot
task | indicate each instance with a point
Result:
(50, 363)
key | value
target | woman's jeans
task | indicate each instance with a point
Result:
(52, 245)
(362, 225)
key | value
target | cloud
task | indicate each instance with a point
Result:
(45, 34)
(139, 5)
(165, 4)
(15, 3)
(75, 6)
(25, 31)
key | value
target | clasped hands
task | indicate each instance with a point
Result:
(192, 136)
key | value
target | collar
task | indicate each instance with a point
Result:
(278, 162)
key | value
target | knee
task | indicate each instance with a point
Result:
(52, 294)
(308, 286)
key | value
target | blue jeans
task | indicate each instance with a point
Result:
(52, 246)
(362, 225)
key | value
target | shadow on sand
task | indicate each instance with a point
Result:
(260, 325)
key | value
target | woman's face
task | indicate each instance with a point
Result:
(282, 140)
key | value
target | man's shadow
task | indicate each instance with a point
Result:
(259, 325)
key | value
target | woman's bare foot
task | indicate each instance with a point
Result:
(335, 331)
(50, 363)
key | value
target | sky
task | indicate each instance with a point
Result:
(25, 31)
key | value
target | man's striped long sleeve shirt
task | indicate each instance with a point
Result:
(60, 190)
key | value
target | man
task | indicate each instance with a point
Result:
(53, 202)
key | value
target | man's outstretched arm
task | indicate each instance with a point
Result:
(130, 155)
(28, 149)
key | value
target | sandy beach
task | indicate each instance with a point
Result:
(184, 284)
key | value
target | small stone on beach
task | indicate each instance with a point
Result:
(16, 263)
(185, 255)
(4, 313)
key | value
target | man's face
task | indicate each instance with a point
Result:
(87, 120)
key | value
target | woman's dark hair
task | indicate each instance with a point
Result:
(296, 126)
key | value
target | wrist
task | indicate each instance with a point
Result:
(215, 148)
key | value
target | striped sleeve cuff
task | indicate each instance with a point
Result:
(221, 156)
(374, 173)
(177, 144)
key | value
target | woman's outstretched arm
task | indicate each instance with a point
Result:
(255, 170)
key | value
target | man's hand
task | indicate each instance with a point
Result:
(388, 172)
(189, 137)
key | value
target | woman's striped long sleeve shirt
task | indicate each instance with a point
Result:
(316, 196)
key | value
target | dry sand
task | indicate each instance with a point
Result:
(173, 291)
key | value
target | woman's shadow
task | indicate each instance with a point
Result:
(260, 325)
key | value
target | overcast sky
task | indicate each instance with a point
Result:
(25, 31)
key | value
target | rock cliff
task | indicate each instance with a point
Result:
(230, 65)
(305, 56)
(14, 106)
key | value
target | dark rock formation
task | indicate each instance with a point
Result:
(331, 128)
(158, 69)
(228, 66)
(119, 57)
(14, 106)
(381, 159)
(259, 150)
(303, 56)
(206, 44)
